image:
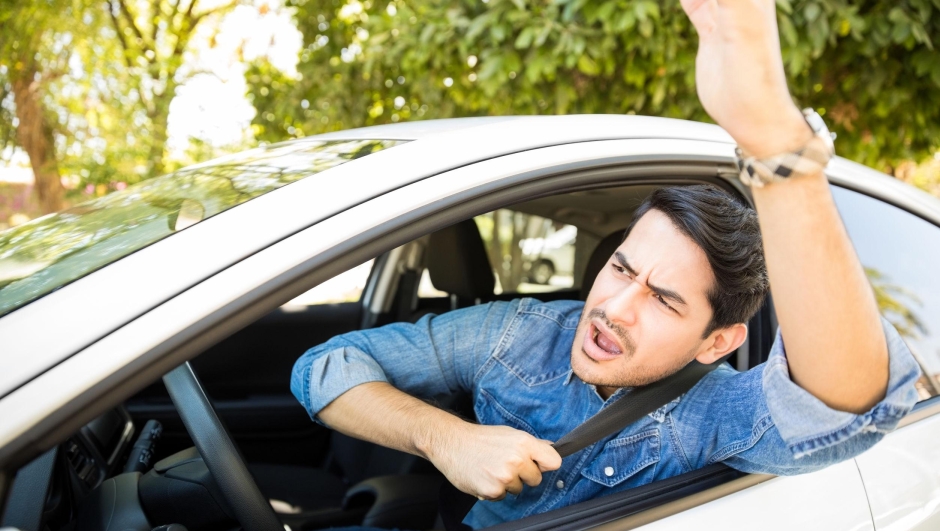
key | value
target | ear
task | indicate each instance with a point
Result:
(722, 341)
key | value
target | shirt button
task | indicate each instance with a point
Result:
(609, 471)
(560, 484)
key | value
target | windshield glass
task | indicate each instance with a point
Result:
(49, 252)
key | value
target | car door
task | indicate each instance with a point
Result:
(832, 499)
(901, 254)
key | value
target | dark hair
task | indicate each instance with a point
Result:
(727, 231)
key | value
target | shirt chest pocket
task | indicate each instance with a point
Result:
(491, 412)
(624, 458)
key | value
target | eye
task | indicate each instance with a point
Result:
(663, 302)
(622, 271)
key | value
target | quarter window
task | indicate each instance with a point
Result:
(900, 253)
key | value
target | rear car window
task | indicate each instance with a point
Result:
(900, 253)
(49, 252)
(529, 253)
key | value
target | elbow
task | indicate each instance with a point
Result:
(300, 379)
(866, 384)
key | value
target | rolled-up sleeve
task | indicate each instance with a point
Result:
(760, 421)
(438, 355)
(807, 425)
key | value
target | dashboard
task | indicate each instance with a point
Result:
(47, 493)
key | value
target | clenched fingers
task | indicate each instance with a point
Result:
(530, 474)
(545, 456)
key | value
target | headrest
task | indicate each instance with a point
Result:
(602, 253)
(457, 262)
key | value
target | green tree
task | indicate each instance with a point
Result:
(153, 37)
(86, 87)
(26, 68)
(870, 67)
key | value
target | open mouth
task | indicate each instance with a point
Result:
(600, 344)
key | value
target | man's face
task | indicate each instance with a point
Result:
(647, 310)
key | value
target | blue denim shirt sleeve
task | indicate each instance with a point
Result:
(765, 423)
(439, 354)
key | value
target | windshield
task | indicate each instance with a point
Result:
(49, 252)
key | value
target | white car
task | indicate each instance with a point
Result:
(99, 302)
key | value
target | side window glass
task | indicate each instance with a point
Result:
(344, 287)
(529, 253)
(899, 252)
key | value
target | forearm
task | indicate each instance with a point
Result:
(379, 413)
(828, 317)
(835, 345)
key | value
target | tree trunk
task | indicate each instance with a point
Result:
(34, 135)
(158, 135)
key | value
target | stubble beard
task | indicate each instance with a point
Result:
(627, 374)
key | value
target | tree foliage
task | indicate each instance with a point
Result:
(870, 67)
(26, 65)
(153, 36)
(101, 74)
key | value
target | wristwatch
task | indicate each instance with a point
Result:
(810, 159)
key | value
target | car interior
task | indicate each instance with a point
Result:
(549, 248)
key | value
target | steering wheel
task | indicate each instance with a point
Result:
(219, 452)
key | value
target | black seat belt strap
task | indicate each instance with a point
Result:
(639, 402)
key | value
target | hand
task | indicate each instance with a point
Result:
(489, 461)
(739, 75)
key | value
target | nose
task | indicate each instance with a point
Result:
(623, 307)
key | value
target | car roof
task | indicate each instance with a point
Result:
(623, 126)
(419, 129)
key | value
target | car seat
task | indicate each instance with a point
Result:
(457, 264)
(602, 253)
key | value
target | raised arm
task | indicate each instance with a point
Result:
(835, 345)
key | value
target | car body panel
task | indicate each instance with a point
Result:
(902, 477)
(832, 499)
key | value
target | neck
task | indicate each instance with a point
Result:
(605, 392)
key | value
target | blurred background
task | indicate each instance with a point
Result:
(96, 95)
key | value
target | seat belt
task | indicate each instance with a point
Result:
(633, 406)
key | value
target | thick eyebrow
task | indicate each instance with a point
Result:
(662, 292)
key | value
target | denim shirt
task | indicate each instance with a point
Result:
(514, 357)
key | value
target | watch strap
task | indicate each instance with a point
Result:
(811, 158)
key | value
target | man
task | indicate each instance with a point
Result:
(681, 286)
